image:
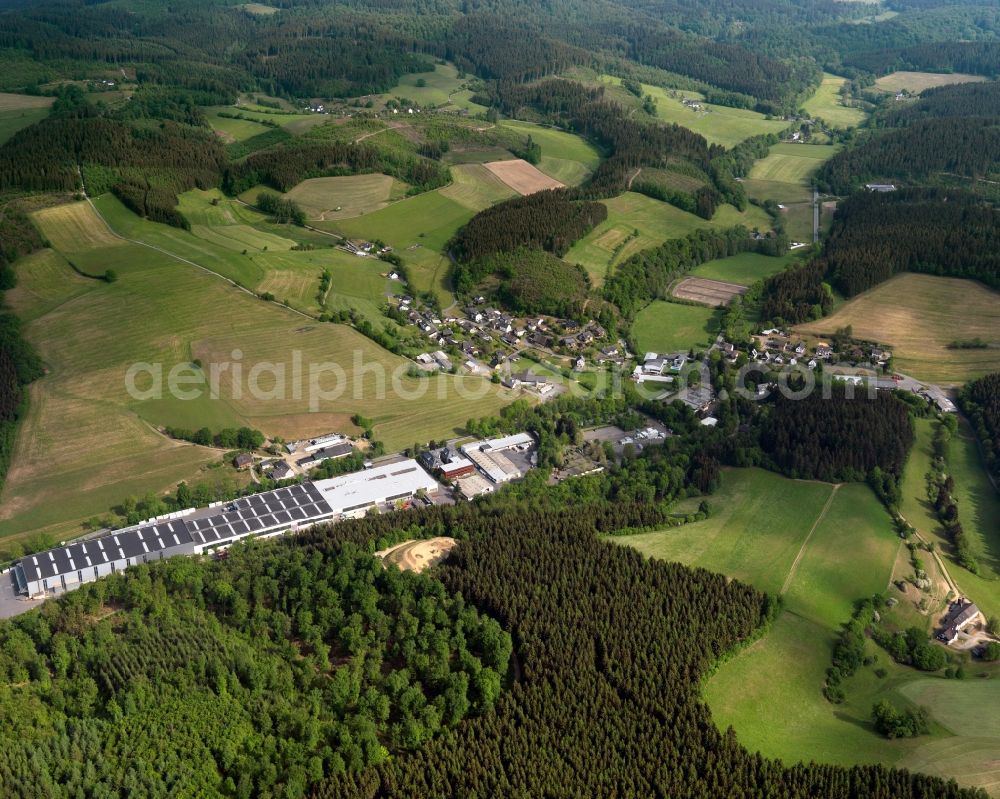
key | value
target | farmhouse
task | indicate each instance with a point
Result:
(325, 454)
(188, 532)
(243, 461)
(961, 615)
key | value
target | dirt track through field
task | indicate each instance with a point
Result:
(802, 549)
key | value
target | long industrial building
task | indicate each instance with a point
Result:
(267, 514)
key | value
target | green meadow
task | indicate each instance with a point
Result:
(20, 110)
(823, 548)
(745, 269)
(827, 104)
(614, 240)
(671, 327)
(979, 512)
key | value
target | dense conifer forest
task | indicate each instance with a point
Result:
(936, 231)
(980, 400)
(254, 676)
(949, 132)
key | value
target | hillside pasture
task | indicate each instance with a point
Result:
(90, 442)
(45, 280)
(916, 82)
(671, 327)
(918, 316)
(792, 163)
(979, 512)
(522, 177)
(558, 144)
(717, 123)
(74, 227)
(823, 547)
(18, 111)
(233, 130)
(745, 269)
(598, 252)
(345, 197)
(828, 105)
(442, 88)
(475, 187)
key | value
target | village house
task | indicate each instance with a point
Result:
(961, 615)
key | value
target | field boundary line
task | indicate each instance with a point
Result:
(802, 549)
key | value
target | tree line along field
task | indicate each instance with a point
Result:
(87, 442)
(20, 110)
(614, 240)
(918, 316)
(822, 547)
(979, 508)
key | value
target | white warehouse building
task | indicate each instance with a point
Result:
(192, 532)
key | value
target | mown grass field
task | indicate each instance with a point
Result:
(792, 163)
(233, 129)
(979, 512)
(353, 195)
(919, 315)
(89, 442)
(916, 82)
(442, 89)
(718, 124)
(476, 188)
(20, 110)
(826, 104)
(670, 327)
(655, 221)
(746, 268)
(566, 157)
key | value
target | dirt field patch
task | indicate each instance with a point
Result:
(415, 556)
(916, 82)
(707, 292)
(19, 102)
(522, 177)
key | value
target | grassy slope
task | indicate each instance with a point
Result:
(771, 692)
(670, 327)
(826, 104)
(785, 177)
(443, 88)
(656, 222)
(916, 82)
(476, 188)
(86, 440)
(718, 124)
(918, 315)
(566, 157)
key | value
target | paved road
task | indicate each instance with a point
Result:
(10, 603)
